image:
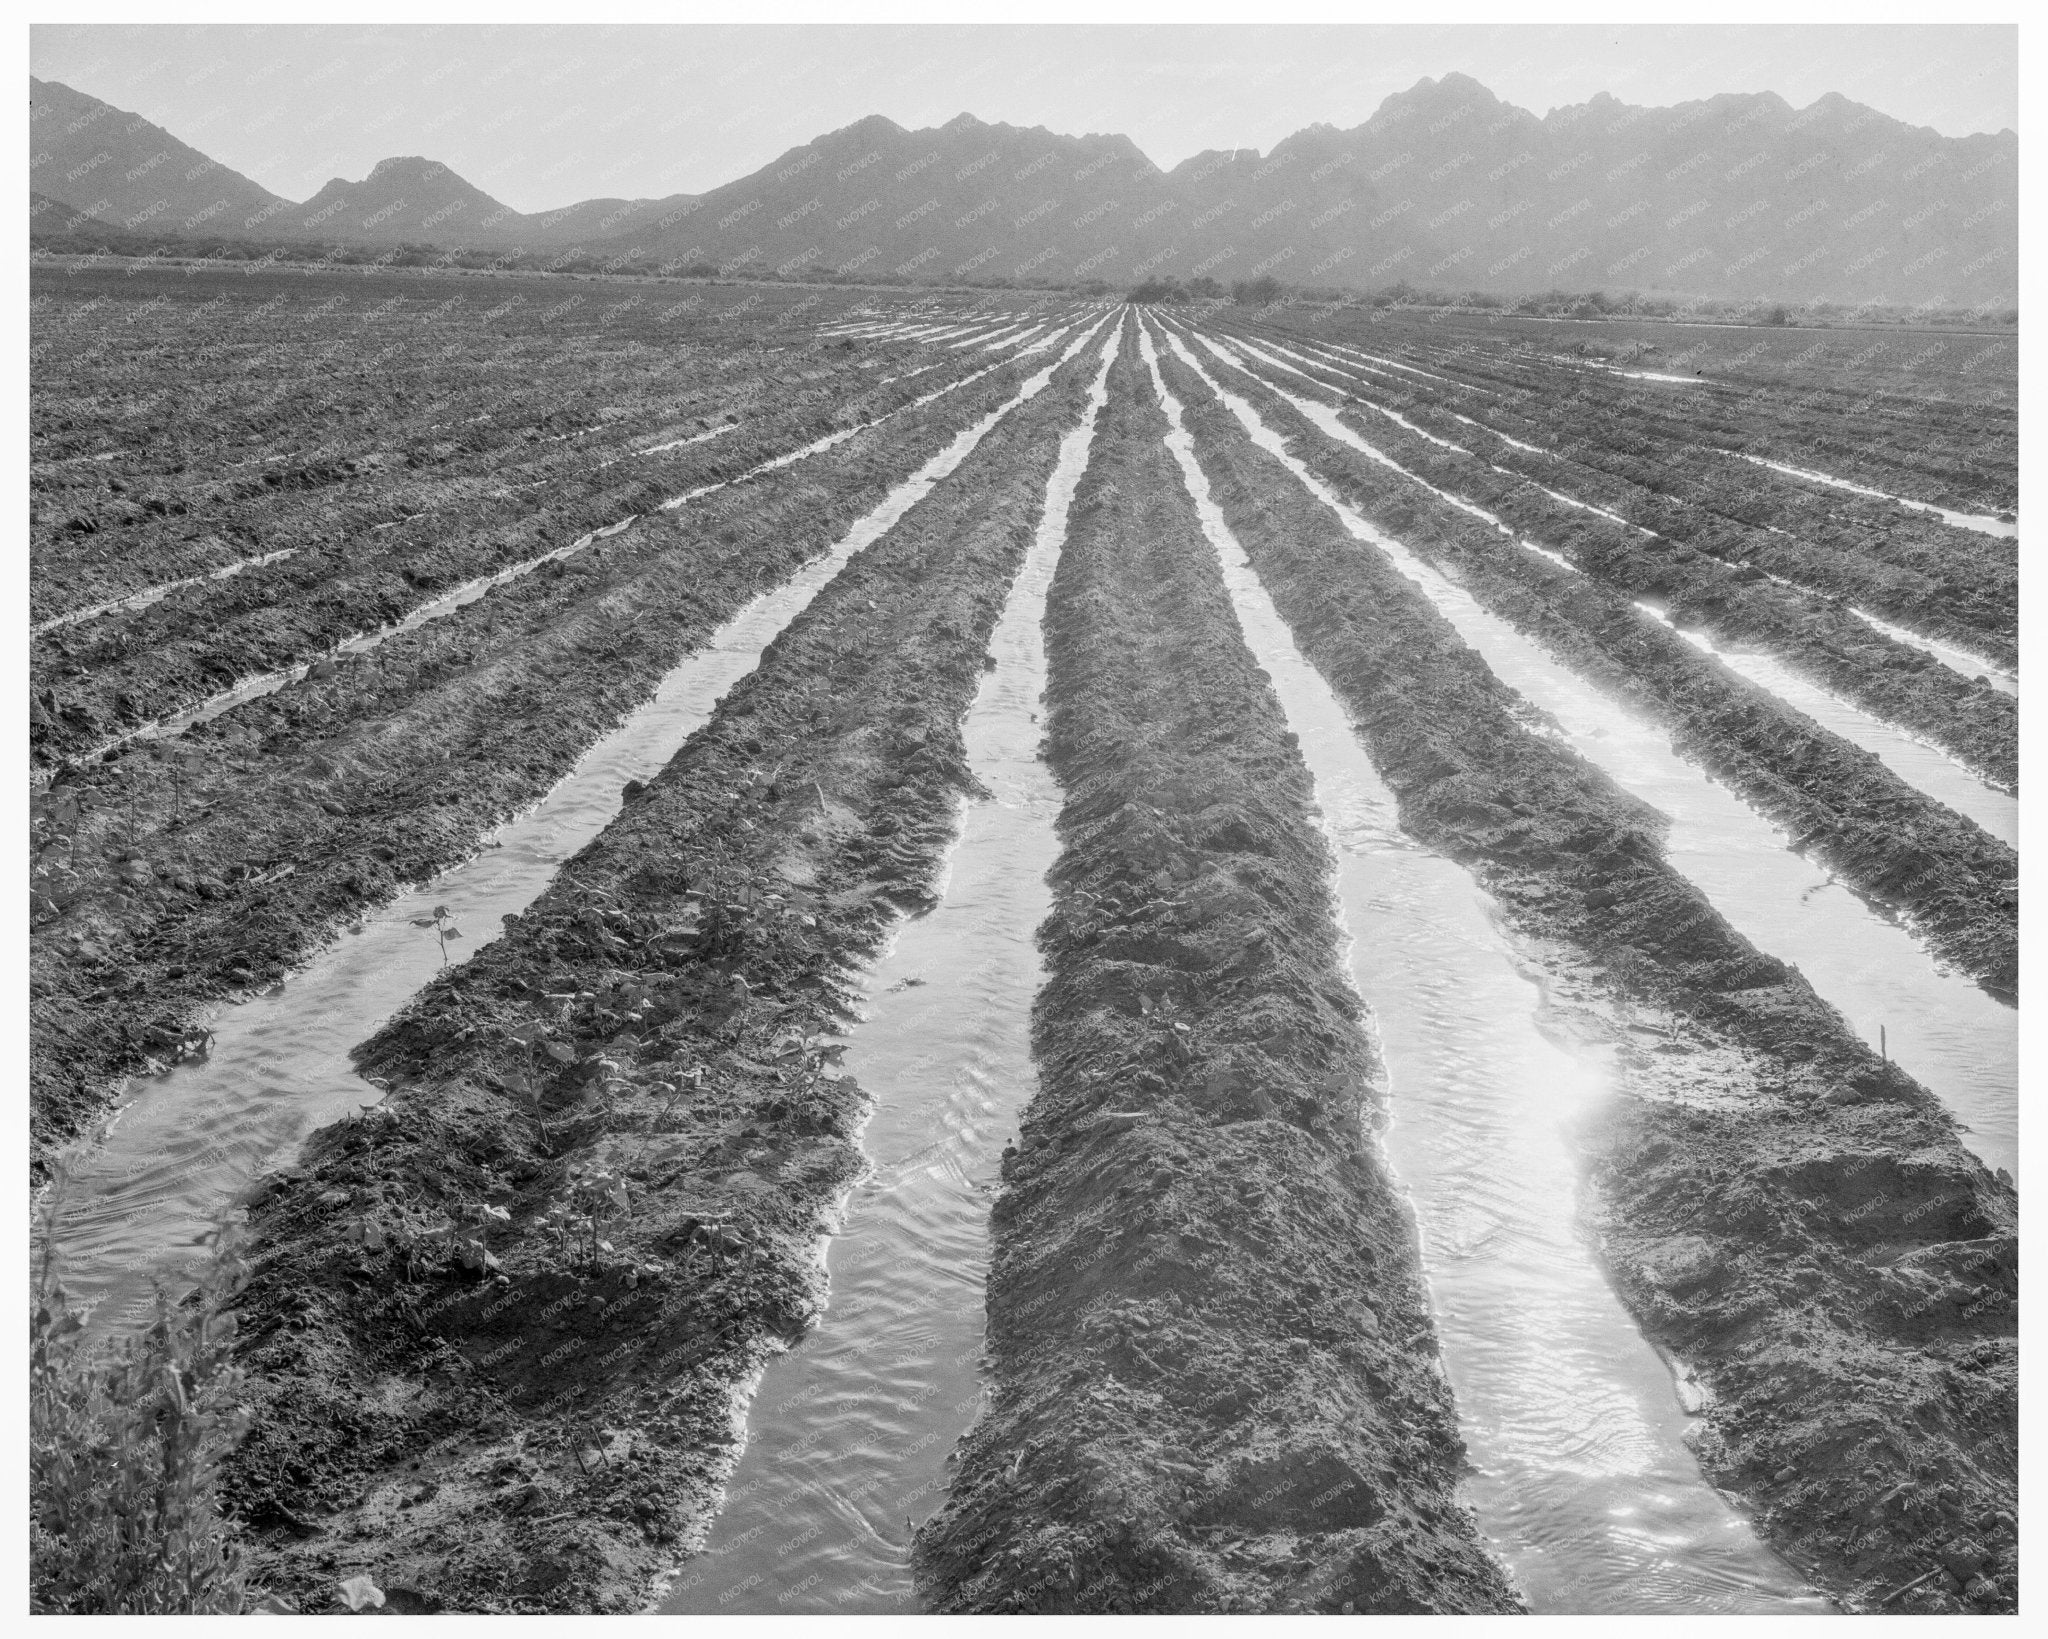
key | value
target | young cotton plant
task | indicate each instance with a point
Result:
(443, 925)
(595, 1195)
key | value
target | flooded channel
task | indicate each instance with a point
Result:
(849, 1434)
(1939, 1026)
(1585, 1486)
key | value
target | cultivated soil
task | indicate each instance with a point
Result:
(195, 868)
(1215, 1384)
(1946, 876)
(502, 1328)
(1746, 585)
(501, 1325)
(1792, 1218)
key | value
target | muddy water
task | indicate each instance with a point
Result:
(1585, 1487)
(1926, 768)
(140, 1198)
(1938, 1025)
(849, 1434)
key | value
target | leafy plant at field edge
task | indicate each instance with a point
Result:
(125, 1444)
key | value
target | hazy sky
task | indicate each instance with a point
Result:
(544, 116)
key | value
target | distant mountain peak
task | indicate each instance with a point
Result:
(402, 165)
(866, 129)
(1465, 85)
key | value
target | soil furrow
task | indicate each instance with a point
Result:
(1213, 1375)
(1658, 474)
(625, 1113)
(126, 670)
(1738, 604)
(177, 874)
(1661, 474)
(401, 431)
(1942, 872)
(1789, 1215)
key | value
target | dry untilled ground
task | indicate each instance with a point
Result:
(497, 1324)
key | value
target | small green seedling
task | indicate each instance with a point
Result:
(444, 928)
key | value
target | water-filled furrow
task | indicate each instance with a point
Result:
(887, 332)
(849, 1433)
(1982, 523)
(829, 441)
(1938, 1025)
(1957, 660)
(694, 438)
(1584, 1484)
(1325, 416)
(1396, 364)
(1555, 495)
(988, 335)
(144, 1190)
(1322, 413)
(1920, 764)
(156, 594)
(1278, 357)
(1923, 766)
(259, 684)
(1015, 336)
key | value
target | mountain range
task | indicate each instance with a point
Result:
(1445, 186)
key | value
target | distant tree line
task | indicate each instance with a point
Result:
(1268, 292)
(1263, 292)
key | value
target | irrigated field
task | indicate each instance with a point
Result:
(1521, 1089)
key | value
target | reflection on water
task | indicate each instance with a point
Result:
(1585, 1486)
(850, 1432)
(1940, 1027)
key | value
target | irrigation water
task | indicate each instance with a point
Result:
(140, 1194)
(849, 1433)
(1584, 1484)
